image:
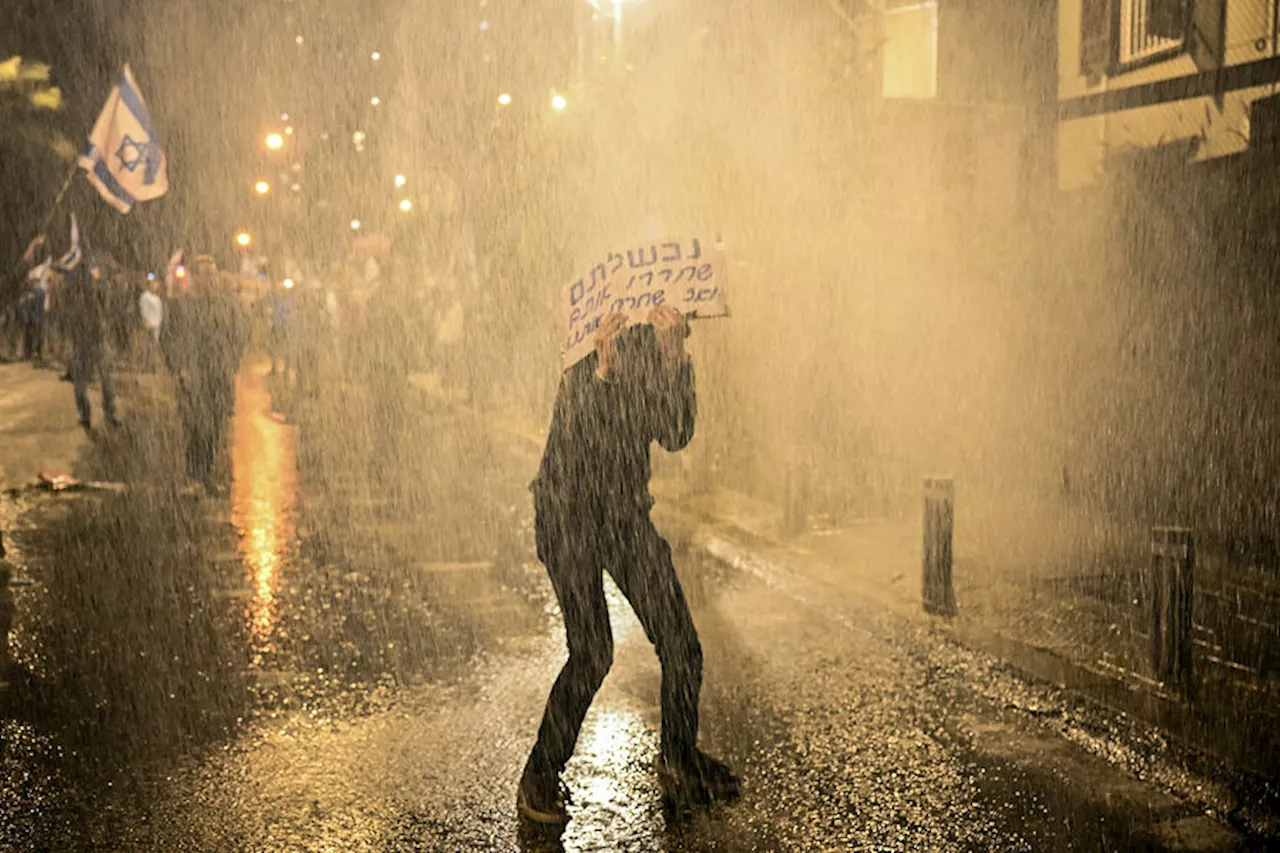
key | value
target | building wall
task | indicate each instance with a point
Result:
(1083, 144)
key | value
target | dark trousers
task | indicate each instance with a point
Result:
(577, 548)
(84, 364)
(33, 340)
(204, 406)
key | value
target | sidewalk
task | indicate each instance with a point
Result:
(38, 424)
(1067, 603)
(1067, 608)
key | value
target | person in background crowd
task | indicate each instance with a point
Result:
(84, 309)
(35, 311)
(280, 343)
(121, 301)
(202, 338)
(151, 309)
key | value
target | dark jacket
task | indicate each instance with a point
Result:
(33, 305)
(203, 336)
(84, 309)
(597, 452)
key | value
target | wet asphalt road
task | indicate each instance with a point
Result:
(349, 654)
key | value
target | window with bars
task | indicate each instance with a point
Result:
(1150, 28)
(1119, 35)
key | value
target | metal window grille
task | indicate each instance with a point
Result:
(1145, 30)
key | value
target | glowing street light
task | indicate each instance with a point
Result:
(405, 205)
(262, 187)
(504, 99)
(375, 56)
(288, 131)
(400, 181)
(288, 284)
(244, 239)
(274, 141)
(355, 225)
(375, 100)
(559, 102)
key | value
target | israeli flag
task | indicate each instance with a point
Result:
(124, 160)
(71, 259)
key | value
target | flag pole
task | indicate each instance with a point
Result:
(57, 200)
(48, 217)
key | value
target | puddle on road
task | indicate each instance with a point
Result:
(264, 466)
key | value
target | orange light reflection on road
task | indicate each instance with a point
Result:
(264, 468)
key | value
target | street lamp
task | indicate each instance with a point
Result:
(375, 56)
(405, 205)
(504, 99)
(355, 225)
(244, 239)
(559, 102)
(274, 141)
(400, 181)
(375, 100)
(262, 187)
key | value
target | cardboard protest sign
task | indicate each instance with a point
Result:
(687, 274)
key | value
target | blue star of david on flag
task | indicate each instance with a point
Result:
(130, 153)
(122, 140)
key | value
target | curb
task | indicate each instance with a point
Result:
(1129, 814)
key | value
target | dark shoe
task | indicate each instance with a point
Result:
(542, 799)
(720, 781)
(698, 783)
(682, 786)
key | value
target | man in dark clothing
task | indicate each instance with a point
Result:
(592, 502)
(202, 338)
(84, 309)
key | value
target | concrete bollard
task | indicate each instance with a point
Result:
(1171, 587)
(939, 512)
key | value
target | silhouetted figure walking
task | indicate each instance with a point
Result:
(203, 337)
(85, 323)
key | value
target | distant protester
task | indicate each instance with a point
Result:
(202, 338)
(151, 310)
(84, 310)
